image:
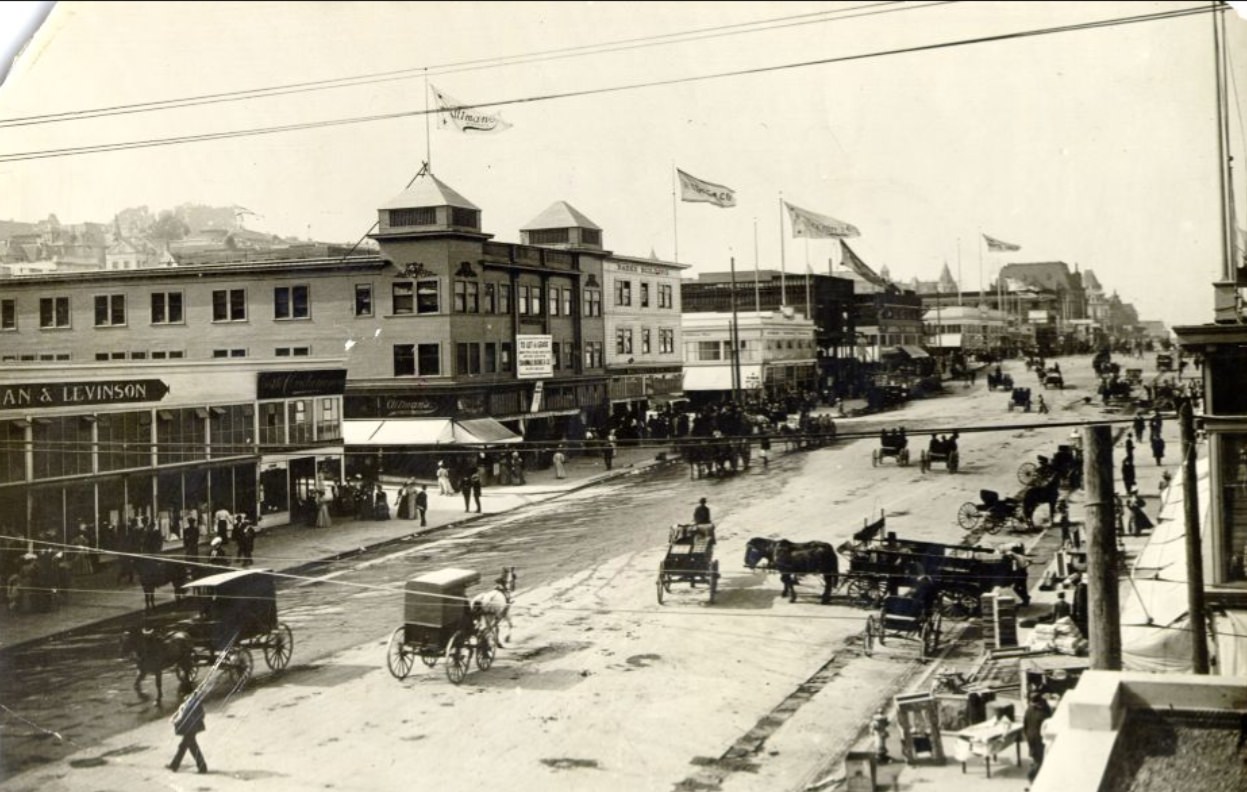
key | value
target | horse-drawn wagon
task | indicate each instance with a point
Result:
(940, 449)
(905, 617)
(1020, 398)
(439, 621)
(1052, 378)
(238, 614)
(999, 380)
(892, 443)
(689, 559)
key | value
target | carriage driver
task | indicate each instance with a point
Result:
(701, 514)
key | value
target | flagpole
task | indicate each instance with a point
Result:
(783, 292)
(807, 279)
(980, 246)
(734, 338)
(960, 284)
(428, 139)
(675, 217)
(757, 298)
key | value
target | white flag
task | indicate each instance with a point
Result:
(696, 190)
(466, 119)
(997, 245)
(816, 226)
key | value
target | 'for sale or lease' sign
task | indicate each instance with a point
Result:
(534, 356)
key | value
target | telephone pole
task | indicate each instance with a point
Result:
(1103, 608)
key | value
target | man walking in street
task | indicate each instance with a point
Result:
(1158, 448)
(1032, 730)
(422, 503)
(1139, 424)
(476, 491)
(188, 721)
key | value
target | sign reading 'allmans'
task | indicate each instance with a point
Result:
(67, 394)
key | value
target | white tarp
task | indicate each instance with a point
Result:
(1154, 634)
(425, 432)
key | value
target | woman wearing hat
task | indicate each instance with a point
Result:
(217, 555)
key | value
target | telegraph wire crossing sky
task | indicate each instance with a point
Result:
(1062, 128)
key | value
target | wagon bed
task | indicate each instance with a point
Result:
(689, 559)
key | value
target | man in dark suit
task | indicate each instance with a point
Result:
(422, 503)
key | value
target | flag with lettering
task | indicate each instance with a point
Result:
(812, 225)
(853, 262)
(464, 118)
(697, 190)
(999, 245)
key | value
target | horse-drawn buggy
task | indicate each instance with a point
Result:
(1052, 378)
(1020, 399)
(908, 616)
(998, 380)
(940, 449)
(1164, 361)
(892, 443)
(1065, 466)
(439, 621)
(689, 559)
(1014, 514)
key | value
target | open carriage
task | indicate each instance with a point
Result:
(1020, 399)
(438, 623)
(943, 450)
(999, 380)
(992, 513)
(689, 559)
(237, 615)
(892, 443)
(1065, 465)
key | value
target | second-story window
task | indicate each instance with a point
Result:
(567, 302)
(53, 312)
(666, 341)
(8, 314)
(467, 297)
(553, 301)
(167, 308)
(623, 342)
(110, 310)
(290, 302)
(521, 299)
(229, 305)
(363, 299)
(491, 299)
(645, 341)
(535, 297)
(593, 302)
(623, 292)
(665, 299)
(644, 295)
(504, 298)
(418, 297)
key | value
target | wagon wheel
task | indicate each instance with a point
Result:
(958, 604)
(874, 458)
(458, 658)
(924, 462)
(485, 653)
(239, 665)
(399, 656)
(968, 516)
(866, 592)
(279, 647)
(714, 580)
(1027, 472)
(869, 640)
(904, 456)
(954, 459)
(429, 655)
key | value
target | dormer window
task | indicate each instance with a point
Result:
(465, 218)
(413, 217)
(549, 236)
(591, 236)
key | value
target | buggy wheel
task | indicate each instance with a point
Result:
(968, 516)
(399, 656)
(485, 653)
(458, 658)
(430, 656)
(239, 665)
(957, 604)
(904, 457)
(954, 459)
(1027, 472)
(714, 580)
(924, 462)
(868, 640)
(279, 647)
(874, 458)
(865, 591)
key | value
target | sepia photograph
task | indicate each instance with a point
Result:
(606, 396)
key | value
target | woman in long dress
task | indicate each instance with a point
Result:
(322, 510)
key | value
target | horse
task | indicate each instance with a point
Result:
(792, 560)
(1048, 492)
(153, 652)
(494, 607)
(154, 573)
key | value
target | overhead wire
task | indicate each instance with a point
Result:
(69, 151)
(372, 78)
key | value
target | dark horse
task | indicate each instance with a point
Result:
(1046, 492)
(792, 560)
(153, 652)
(154, 573)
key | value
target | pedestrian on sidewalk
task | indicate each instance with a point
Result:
(1129, 448)
(190, 538)
(476, 491)
(764, 450)
(608, 451)
(188, 721)
(1032, 730)
(1139, 424)
(244, 537)
(223, 526)
(216, 553)
(517, 468)
(422, 503)
(1158, 448)
(443, 479)
(1156, 422)
(1127, 474)
(560, 463)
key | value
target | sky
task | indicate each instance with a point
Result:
(1096, 147)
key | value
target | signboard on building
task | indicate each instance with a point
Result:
(534, 356)
(68, 394)
(291, 384)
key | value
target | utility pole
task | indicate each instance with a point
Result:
(1103, 611)
(734, 339)
(1194, 552)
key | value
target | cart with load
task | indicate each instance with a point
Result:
(940, 449)
(1020, 398)
(892, 443)
(438, 623)
(237, 615)
(689, 559)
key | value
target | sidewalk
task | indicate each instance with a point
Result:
(100, 596)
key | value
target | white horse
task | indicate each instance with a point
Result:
(494, 607)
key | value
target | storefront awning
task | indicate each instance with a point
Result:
(719, 378)
(425, 432)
